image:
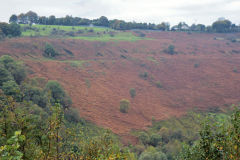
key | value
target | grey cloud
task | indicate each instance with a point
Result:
(204, 11)
(206, 6)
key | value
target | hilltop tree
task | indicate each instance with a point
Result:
(43, 20)
(182, 26)
(52, 20)
(32, 17)
(222, 26)
(103, 21)
(198, 27)
(13, 19)
(22, 18)
(68, 20)
(119, 25)
(163, 26)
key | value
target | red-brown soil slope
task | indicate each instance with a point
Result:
(204, 74)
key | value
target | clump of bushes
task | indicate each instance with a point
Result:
(10, 69)
(153, 139)
(124, 106)
(235, 51)
(49, 51)
(144, 75)
(196, 65)
(70, 33)
(10, 30)
(170, 50)
(13, 82)
(80, 31)
(132, 92)
(91, 30)
(11, 75)
(99, 54)
(4, 75)
(72, 115)
(12, 89)
(233, 40)
(144, 138)
(123, 56)
(1, 34)
(34, 94)
(153, 154)
(54, 31)
(159, 84)
(235, 70)
(140, 34)
(112, 34)
(58, 94)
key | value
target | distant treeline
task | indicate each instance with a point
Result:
(221, 25)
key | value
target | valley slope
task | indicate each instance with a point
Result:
(205, 74)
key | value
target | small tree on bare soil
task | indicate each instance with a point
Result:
(124, 106)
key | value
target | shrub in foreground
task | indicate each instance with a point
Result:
(217, 141)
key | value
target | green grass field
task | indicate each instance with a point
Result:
(78, 32)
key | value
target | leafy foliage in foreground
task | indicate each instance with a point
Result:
(168, 136)
(217, 141)
(37, 123)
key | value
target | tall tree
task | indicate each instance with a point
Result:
(52, 20)
(103, 21)
(13, 19)
(222, 26)
(32, 17)
(22, 18)
(43, 20)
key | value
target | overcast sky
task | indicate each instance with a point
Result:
(173, 11)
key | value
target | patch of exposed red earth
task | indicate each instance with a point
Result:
(200, 76)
